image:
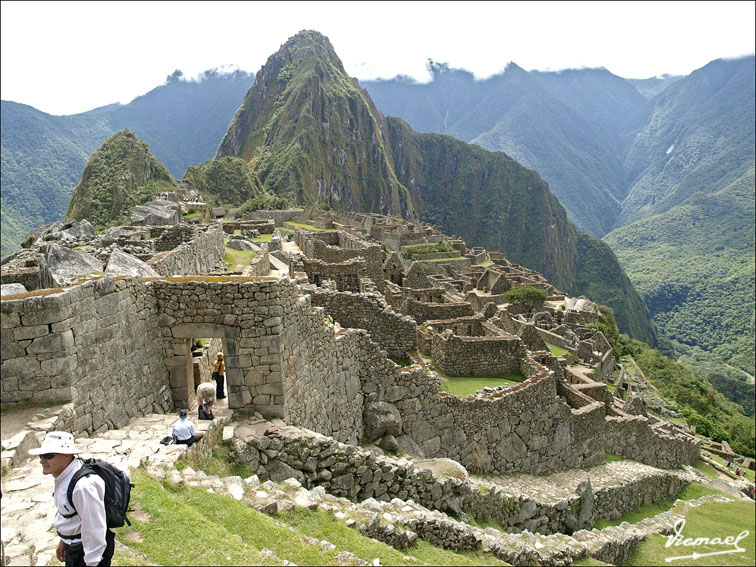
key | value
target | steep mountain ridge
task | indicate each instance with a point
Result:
(43, 156)
(121, 174)
(309, 132)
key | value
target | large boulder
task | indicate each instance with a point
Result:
(79, 230)
(62, 266)
(123, 264)
(11, 289)
(242, 244)
(381, 418)
(157, 212)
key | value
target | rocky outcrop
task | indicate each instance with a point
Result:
(120, 174)
(63, 266)
(123, 264)
(157, 212)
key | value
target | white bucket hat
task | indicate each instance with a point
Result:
(60, 442)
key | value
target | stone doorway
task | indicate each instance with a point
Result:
(179, 361)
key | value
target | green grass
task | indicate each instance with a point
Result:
(691, 492)
(465, 385)
(219, 462)
(324, 525)
(309, 227)
(441, 259)
(610, 458)
(588, 561)
(749, 474)
(189, 526)
(263, 238)
(709, 520)
(704, 468)
(612, 388)
(556, 350)
(485, 263)
(238, 257)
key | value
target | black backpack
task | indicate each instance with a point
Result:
(117, 490)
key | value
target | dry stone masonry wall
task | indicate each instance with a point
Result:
(96, 344)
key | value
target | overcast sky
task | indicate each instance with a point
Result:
(69, 57)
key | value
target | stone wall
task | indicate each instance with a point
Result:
(348, 472)
(339, 247)
(174, 237)
(260, 264)
(200, 256)
(394, 333)
(634, 438)
(96, 345)
(279, 217)
(245, 313)
(422, 312)
(477, 356)
(346, 274)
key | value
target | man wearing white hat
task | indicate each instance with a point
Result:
(84, 537)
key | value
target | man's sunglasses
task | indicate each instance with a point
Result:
(48, 456)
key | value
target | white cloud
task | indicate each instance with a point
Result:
(65, 57)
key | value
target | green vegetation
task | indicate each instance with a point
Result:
(238, 257)
(556, 350)
(411, 252)
(704, 468)
(465, 385)
(223, 531)
(526, 295)
(121, 174)
(694, 265)
(706, 521)
(610, 458)
(748, 473)
(307, 227)
(691, 492)
(703, 407)
(226, 181)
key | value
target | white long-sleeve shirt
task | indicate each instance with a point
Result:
(89, 501)
(183, 429)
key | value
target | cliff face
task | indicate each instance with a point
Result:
(121, 174)
(310, 133)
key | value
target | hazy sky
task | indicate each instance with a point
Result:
(68, 57)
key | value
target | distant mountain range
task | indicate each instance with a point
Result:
(661, 168)
(43, 156)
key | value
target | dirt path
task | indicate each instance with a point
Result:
(13, 421)
(750, 377)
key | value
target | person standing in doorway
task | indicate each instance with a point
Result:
(81, 525)
(219, 375)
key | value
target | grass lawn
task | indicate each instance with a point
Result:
(749, 474)
(610, 458)
(218, 530)
(715, 520)
(420, 258)
(556, 350)
(421, 245)
(309, 227)
(465, 385)
(704, 468)
(691, 492)
(263, 238)
(485, 263)
(238, 257)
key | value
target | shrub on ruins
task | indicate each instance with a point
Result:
(526, 295)
(263, 202)
(607, 324)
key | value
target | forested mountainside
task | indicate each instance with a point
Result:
(43, 156)
(671, 155)
(310, 133)
(121, 174)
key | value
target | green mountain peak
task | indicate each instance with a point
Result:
(121, 174)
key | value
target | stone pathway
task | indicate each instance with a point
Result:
(27, 508)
